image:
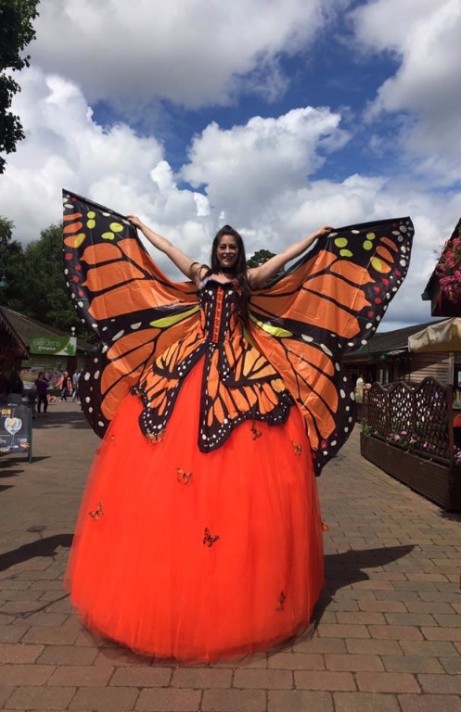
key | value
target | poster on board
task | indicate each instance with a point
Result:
(15, 429)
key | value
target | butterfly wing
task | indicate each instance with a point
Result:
(330, 302)
(135, 311)
(239, 384)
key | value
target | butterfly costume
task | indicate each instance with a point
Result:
(200, 535)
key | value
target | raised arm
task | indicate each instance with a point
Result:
(261, 274)
(189, 268)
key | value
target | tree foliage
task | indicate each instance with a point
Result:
(259, 258)
(16, 32)
(45, 295)
(34, 278)
(11, 265)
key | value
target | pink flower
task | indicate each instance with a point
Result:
(448, 269)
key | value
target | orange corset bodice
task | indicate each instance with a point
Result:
(238, 382)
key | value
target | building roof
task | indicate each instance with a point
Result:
(387, 342)
(24, 329)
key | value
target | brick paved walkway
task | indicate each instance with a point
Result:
(388, 636)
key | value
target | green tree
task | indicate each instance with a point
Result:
(45, 295)
(11, 266)
(259, 258)
(16, 32)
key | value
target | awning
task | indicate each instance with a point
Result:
(436, 338)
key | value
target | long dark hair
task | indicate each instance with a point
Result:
(238, 274)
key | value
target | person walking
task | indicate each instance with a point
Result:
(65, 384)
(75, 381)
(41, 385)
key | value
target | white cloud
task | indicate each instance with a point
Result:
(260, 176)
(192, 52)
(64, 147)
(425, 37)
(249, 168)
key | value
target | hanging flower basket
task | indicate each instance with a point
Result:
(448, 270)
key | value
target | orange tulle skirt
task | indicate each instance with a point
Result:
(195, 556)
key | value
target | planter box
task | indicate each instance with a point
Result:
(441, 484)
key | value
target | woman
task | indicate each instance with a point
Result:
(200, 534)
(65, 384)
(41, 385)
(207, 554)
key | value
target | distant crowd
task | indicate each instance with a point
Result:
(42, 391)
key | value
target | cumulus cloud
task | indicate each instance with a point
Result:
(65, 147)
(424, 37)
(261, 176)
(192, 52)
(247, 168)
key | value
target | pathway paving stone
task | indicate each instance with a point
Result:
(386, 635)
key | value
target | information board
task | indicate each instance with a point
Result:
(15, 429)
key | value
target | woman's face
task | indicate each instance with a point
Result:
(227, 251)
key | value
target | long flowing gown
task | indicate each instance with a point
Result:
(199, 534)
(200, 555)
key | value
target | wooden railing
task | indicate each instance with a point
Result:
(418, 419)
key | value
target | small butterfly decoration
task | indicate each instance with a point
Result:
(255, 433)
(97, 513)
(208, 538)
(297, 447)
(281, 603)
(156, 437)
(183, 476)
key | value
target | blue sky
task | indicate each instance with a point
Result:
(275, 117)
(330, 72)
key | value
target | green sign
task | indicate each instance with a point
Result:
(54, 345)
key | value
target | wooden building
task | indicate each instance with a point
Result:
(20, 339)
(386, 358)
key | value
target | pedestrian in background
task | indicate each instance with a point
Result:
(75, 382)
(65, 384)
(41, 384)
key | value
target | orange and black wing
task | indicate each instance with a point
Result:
(330, 302)
(134, 310)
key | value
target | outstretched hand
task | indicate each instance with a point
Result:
(134, 220)
(323, 231)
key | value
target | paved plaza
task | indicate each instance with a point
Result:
(387, 635)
